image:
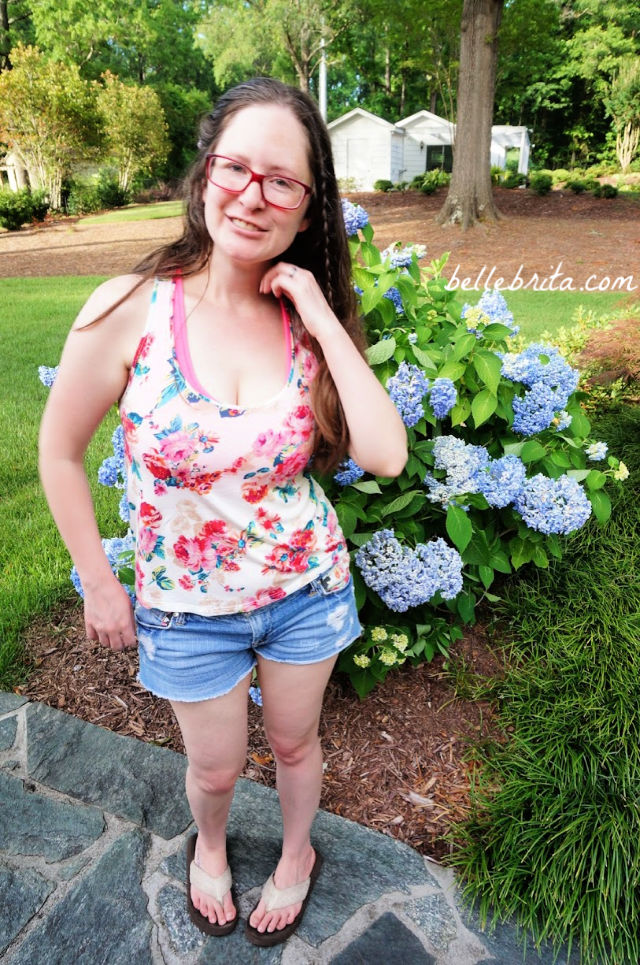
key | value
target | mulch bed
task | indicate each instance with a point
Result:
(398, 761)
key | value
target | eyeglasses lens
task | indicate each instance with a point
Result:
(276, 189)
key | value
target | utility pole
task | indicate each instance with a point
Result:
(322, 81)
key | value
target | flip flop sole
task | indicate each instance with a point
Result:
(198, 919)
(267, 939)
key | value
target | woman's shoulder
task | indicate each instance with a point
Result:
(118, 299)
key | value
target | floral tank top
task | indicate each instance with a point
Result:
(224, 512)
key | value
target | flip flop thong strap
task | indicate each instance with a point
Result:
(281, 897)
(213, 887)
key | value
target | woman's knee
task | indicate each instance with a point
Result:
(212, 779)
(291, 750)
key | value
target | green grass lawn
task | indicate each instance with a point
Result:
(537, 312)
(34, 565)
(138, 212)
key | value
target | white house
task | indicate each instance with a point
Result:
(428, 143)
(367, 148)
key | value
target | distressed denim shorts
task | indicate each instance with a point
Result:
(188, 657)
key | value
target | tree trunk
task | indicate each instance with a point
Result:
(5, 40)
(470, 196)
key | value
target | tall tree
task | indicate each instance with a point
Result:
(470, 196)
(15, 27)
(135, 128)
(279, 37)
(48, 117)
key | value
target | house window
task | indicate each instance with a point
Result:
(439, 156)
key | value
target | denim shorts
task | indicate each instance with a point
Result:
(188, 657)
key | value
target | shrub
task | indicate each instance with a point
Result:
(382, 185)
(110, 193)
(513, 179)
(83, 198)
(433, 179)
(167, 191)
(540, 182)
(39, 204)
(577, 185)
(496, 173)
(605, 191)
(417, 181)
(560, 176)
(16, 208)
(498, 441)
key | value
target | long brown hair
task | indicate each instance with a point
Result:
(322, 249)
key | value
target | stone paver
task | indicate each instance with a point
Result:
(93, 830)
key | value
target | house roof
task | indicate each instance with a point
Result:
(360, 112)
(425, 116)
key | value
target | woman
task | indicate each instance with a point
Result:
(236, 357)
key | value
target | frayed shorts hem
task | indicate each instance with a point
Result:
(190, 699)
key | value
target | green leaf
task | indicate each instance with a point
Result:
(370, 299)
(463, 346)
(347, 518)
(363, 278)
(486, 575)
(465, 605)
(460, 412)
(369, 486)
(601, 505)
(400, 503)
(595, 479)
(459, 527)
(488, 366)
(578, 474)
(540, 558)
(452, 370)
(495, 330)
(483, 406)
(415, 467)
(500, 562)
(580, 425)
(423, 359)
(532, 451)
(367, 232)
(381, 351)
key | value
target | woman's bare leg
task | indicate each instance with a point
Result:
(215, 738)
(292, 701)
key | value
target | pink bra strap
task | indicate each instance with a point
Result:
(180, 336)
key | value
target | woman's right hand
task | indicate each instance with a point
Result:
(108, 615)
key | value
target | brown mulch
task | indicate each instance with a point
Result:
(396, 762)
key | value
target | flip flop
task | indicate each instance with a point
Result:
(279, 898)
(214, 887)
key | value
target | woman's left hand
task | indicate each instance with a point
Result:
(302, 289)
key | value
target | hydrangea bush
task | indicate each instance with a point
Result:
(501, 463)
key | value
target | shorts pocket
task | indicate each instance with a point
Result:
(151, 618)
(328, 583)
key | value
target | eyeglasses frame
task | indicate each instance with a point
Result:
(258, 178)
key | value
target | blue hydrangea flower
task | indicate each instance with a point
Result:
(402, 257)
(407, 388)
(404, 578)
(490, 309)
(536, 410)
(394, 296)
(108, 473)
(354, 216)
(442, 397)
(553, 505)
(256, 695)
(113, 549)
(462, 463)
(117, 441)
(123, 508)
(47, 374)
(562, 421)
(541, 363)
(348, 473)
(597, 451)
(501, 481)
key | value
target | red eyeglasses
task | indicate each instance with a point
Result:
(278, 190)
